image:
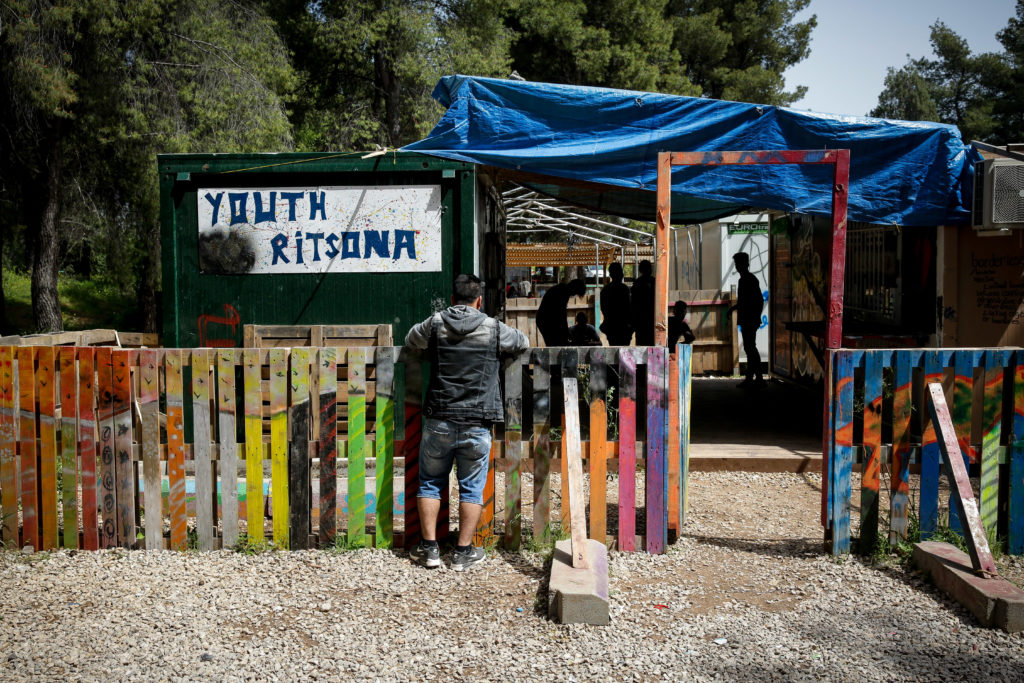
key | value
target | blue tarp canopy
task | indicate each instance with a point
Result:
(561, 138)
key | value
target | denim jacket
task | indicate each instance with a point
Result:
(464, 347)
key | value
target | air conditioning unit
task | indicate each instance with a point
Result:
(998, 194)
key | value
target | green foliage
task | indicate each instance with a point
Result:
(740, 50)
(980, 93)
(86, 304)
(250, 546)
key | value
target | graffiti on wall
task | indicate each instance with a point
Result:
(808, 286)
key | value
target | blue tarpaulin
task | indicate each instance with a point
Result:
(901, 172)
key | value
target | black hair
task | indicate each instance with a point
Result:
(741, 256)
(578, 286)
(615, 269)
(581, 318)
(645, 267)
(678, 304)
(466, 289)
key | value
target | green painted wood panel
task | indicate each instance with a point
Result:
(232, 301)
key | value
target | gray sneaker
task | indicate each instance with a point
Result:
(426, 557)
(461, 561)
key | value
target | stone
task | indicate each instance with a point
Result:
(995, 602)
(579, 595)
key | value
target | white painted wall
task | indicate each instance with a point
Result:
(735, 237)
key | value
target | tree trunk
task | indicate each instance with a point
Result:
(3, 298)
(390, 89)
(45, 302)
(147, 279)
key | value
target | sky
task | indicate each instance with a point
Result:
(856, 40)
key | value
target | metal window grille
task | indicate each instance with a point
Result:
(872, 282)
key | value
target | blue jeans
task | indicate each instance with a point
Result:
(442, 444)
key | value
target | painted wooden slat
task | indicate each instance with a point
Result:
(8, 449)
(672, 446)
(657, 443)
(929, 496)
(327, 445)
(105, 423)
(124, 468)
(628, 358)
(899, 511)
(357, 447)
(872, 450)
(563, 479)
(227, 409)
(411, 397)
(176, 449)
(299, 418)
(965, 361)
(46, 390)
(541, 443)
(253, 444)
(87, 447)
(1015, 525)
(149, 392)
(202, 450)
(68, 442)
(513, 453)
(598, 445)
(842, 365)
(384, 443)
(27, 440)
(685, 392)
(574, 456)
(960, 485)
(279, 445)
(995, 361)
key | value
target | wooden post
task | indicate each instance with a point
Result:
(664, 199)
(574, 455)
(960, 485)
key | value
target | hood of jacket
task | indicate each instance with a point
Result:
(462, 319)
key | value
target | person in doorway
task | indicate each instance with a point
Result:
(749, 304)
(616, 323)
(551, 315)
(642, 300)
(678, 327)
(583, 333)
(463, 401)
(525, 288)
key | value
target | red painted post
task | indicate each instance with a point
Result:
(840, 161)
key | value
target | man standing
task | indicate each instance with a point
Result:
(551, 315)
(463, 401)
(642, 298)
(615, 315)
(749, 304)
(525, 287)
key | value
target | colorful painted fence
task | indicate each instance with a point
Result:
(87, 433)
(880, 420)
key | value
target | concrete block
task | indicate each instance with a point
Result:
(579, 596)
(995, 602)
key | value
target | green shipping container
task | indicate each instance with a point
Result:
(319, 239)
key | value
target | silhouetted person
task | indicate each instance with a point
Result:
(642, 301)
(677, 327)
(616, 320)
(749, 303)
(551, 320)
(583, 333)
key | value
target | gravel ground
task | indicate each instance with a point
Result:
(745, 595)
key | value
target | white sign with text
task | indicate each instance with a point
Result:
(379, 229)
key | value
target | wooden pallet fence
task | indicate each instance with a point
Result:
(880, 420)
(175, 448)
